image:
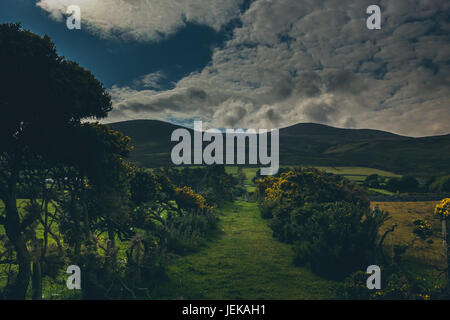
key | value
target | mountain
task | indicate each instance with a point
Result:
(151, 140)
(313, 144)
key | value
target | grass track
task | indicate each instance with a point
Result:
(244, 262)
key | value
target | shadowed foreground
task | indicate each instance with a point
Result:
(245, 262)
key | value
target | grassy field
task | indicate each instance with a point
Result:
(422, 256)
(357, 174)
(382, 191)
(245, 262)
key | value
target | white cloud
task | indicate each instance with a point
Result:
(145, 20)
(296, 61)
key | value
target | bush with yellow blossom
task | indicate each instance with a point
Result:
(187, 199)
(443, 208)
(296, 188)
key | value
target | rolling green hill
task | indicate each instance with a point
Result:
(314, 144)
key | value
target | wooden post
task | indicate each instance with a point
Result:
(446, 250)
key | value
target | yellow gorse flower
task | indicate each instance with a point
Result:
(188, 197)
(443, 208)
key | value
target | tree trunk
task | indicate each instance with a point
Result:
(37, 281)
(445, 233)
(14, 233)
(13, 230)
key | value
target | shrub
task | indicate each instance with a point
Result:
(404, 184)
(422, 229)
(442, 209)
(187, 199)
(396, 286)
(294, 189)
(326, 217)
(354, 287)
(441, 185)
(212, 182)
(335, 239)
(372, 181)
(186, 233)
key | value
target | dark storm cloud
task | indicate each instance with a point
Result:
(344, 82)
(321, 113)
(291, 61)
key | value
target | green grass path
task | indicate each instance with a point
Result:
(244, 262)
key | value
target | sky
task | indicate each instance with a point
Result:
(260, 63)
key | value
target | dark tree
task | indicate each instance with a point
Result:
(403, 184)
(43, 98)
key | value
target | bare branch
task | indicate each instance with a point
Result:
(392, 229)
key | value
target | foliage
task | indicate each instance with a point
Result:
(403, 184)
(440, 184)
(187, 232)
(396, 286)
(85, 204)
(186, 198)
(334, 239)
(373, 181)
(443, 208)
(326, 217)
(422, 229)
(354, 287)
(399, 280)
(294, 189)
(44, 99)
(212, 182)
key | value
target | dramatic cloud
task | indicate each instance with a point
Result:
(293, 61)
(145, 19)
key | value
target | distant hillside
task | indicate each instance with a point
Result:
(313, 144)
(151, 140)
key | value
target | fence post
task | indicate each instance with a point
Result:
(446, 250)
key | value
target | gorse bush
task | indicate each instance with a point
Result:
(442, 209)
(294, 189)
(212, 182)
(325, 216)
(422, 229)
(186, 198)
(333, 239)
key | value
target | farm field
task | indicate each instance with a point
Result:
(356, 174)
(423, 256)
